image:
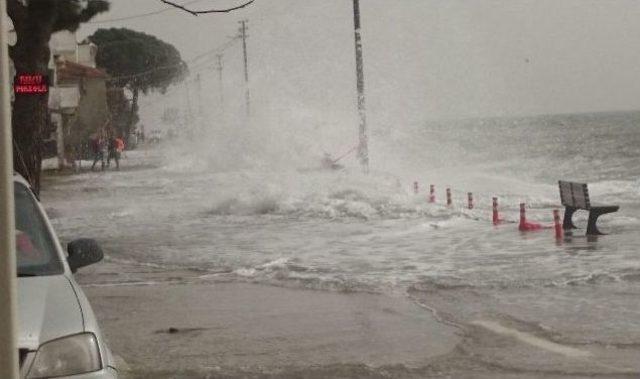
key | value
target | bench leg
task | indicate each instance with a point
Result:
(567, 223)
(592, 228)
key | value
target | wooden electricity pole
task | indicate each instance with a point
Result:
(201, 122)
(220, 82)
(188, 117)
(243, 35)
(363, 145)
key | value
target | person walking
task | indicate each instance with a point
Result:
(104, 149)
(112, 149)
(116, 147)
(96, 144)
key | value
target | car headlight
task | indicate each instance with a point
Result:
(77, 354)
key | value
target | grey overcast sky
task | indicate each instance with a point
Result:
(424, 59)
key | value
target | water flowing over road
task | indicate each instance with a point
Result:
(487, 301)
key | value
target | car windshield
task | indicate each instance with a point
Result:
(35, 249)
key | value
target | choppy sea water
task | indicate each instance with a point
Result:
(299, 227)
(348, 229)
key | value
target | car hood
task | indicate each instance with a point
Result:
(48, 308)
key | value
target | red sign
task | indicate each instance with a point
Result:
(34, 84)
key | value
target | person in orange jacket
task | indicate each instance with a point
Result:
(116, 147)
(119, 145)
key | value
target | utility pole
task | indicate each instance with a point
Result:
(188, 97)
(200, 109)
(220, 82)
(243, 35)
(8, 285)
(60, 128)
(188, 119)
(363, 145)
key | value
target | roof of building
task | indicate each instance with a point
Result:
(72, 71)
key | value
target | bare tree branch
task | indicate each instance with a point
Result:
(195, 13)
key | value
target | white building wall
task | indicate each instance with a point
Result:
(64, 44)
(86, 54)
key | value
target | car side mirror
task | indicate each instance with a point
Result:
(83, 252)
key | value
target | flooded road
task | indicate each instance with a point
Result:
(247, 271)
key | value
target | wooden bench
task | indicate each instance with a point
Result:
(575, 196)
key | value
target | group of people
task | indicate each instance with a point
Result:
(106, 147)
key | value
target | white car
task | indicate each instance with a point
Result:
(58, 335)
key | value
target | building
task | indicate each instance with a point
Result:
(82, 111)
(63, 45)
(78, 97)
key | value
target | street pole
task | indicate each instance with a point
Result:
(363, 145)
(8, 285)
(243, 35)
(62, 126)
(187, 114)
(220, 82)
(200, 109)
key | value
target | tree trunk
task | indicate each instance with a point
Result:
(134, 109)
(29, 118)
(34, 21)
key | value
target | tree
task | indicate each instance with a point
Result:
(34, 21)
(120, 110)
(138, 61)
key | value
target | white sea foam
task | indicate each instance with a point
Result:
(253, 201)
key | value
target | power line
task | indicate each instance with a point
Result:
(218, 49)
(147, 72)
(128, 40)
(141, 15)
(152, 70)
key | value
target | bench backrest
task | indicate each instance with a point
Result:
(574, 195)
